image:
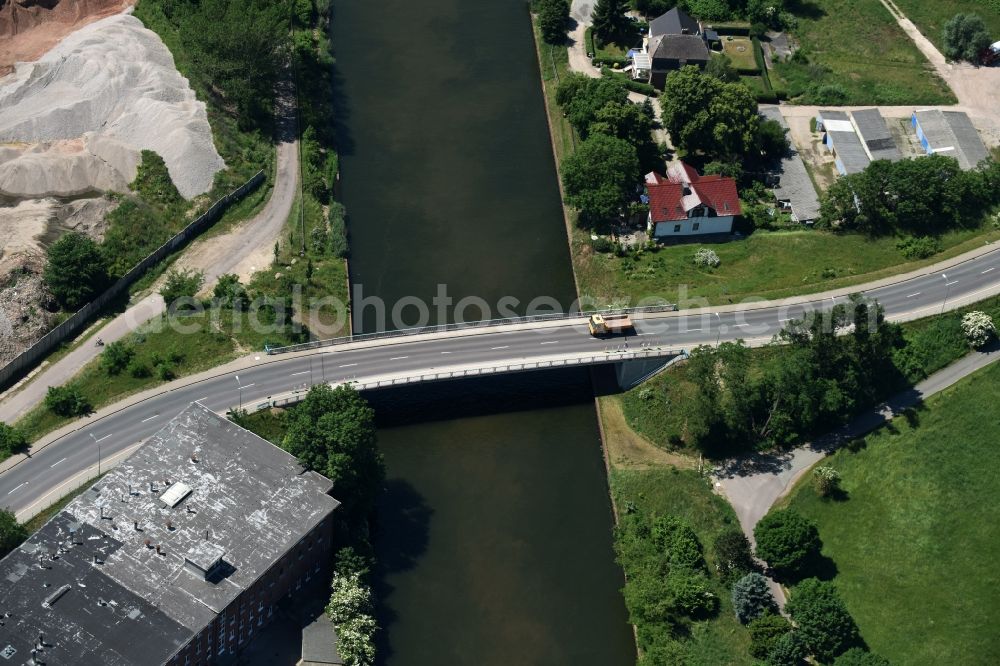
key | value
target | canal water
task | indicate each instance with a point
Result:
(494, 533)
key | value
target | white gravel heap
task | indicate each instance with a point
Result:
(114, 85)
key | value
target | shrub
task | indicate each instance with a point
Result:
(229, 292)
(979, 328)
(860, 657)
(707, 258)
(138, 369)
(116, 357)
(788, 650)
(787, 541)
(752, 598)
(732, 555)
(691, 593)
(181, 284)
(76, 271)
(12, 533)
(765, 632)
(827, 480)
(602, 244)
(351, 611)
(677, 540)
(918, 247)
(822, 620)
(12, 440)
(67, 401)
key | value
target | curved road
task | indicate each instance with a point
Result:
(67, 458)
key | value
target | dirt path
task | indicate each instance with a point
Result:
(242, 250)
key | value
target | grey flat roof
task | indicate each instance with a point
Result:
(846, 142)
(794, 184)
(875, 135)
(952, 133)
(250, 503)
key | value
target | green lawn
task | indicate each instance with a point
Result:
(916, 541)
(720, 640)
(754, 83)
(857, 46)
(740, 51)
(930, 15)
(765, 265)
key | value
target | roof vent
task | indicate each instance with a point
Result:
(204, 559)
(55, 596)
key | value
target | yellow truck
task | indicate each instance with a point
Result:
(602, 325)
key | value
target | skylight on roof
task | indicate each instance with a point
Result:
(173, 495)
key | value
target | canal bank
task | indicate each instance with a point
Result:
(494, 534)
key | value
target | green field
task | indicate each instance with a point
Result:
(856, 48)
(916, 541)
(765, 264)
(930, 15)
(667, 490)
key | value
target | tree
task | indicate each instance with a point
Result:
(765, 632)
(979, 328)
(229, 292)
(12, 533)
(787, 541)
(116, 357)
(709, 10)
(600, 177)
(772, 139)
(857, 656)
(12, 440)
(553, 15)
(788, 650)
(67, 401)
(704, 114)
(752, 598)
(823, 623)
(965, 36)
(732, 555)
(582, 97)
(333, 432)
(721, 67)
(767, 12)
(653, 8)
(609, 20)
(181, 284)
(633, 123)
(76, 271)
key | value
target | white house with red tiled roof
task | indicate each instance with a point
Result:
(682, 203)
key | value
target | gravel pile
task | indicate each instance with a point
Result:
(114, 85)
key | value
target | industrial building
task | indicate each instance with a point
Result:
(949, 133)
(843, 141)
(178, 556)
(875, 137)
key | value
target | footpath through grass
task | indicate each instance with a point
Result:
(857, 54)
(915, 542)
(930, 15)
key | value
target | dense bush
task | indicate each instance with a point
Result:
(788, 650)
(857, 656)
(821, 619)
(918, 247)
(353, 614)
(707, 258)
(67, 401)
(181, 284)
(732, 555)
(979, 328)
(765, 632)
(752, 598)
(77, 270)
(788, 541)
(116, 357)
(12, 440)
(826, 480)
(12, 533)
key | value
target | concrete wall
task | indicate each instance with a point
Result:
(705, 225)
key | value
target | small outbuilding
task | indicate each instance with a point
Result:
(876, 139)
(949, 133)
(843, 141)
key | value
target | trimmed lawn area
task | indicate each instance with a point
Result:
(857, 47)
(915, 542)
(765, 264)
(930, 15)
(740, 51)
(683, 493)
(754, 83)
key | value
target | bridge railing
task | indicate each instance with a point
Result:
(594, 359)
(404, 332)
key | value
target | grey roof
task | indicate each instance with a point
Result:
(875, 135)
(249, 504)
(846, 142)
(952, 133)
(673, 22)
(679, 47)
(794, 184)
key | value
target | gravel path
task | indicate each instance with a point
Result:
(243, 249)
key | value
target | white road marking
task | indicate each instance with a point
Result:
(780, 320)
(304, 372)
(12, 490)
(105, 437)
(200, 399)
(445, 352)
(56, 462)
(398, 358)
(741, 325)
(987, 270)
(550, 342)
(693, 330)
(347, 365)
(150, 418)
(495, 348)
(914, 294)
(948, 284)
(246, 386)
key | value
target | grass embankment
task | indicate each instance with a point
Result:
(915, 541)
(930, 15)
(658, 410)
(857, 54)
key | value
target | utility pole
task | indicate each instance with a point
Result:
(240, 389)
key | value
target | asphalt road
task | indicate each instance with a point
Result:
(37, 481)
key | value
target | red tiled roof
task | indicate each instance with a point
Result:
(666, 197)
